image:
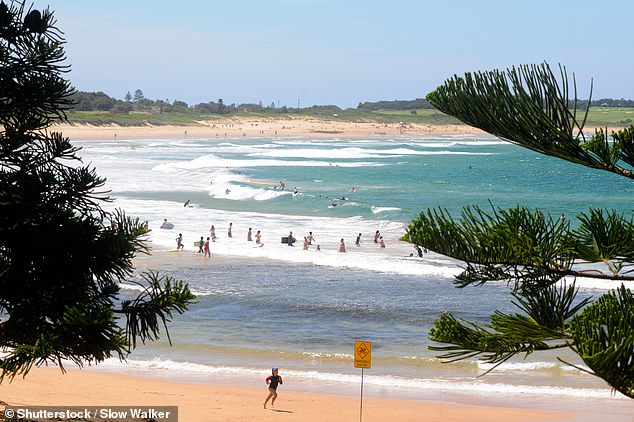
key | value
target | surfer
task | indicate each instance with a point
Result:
(186, 203)
(166, 224)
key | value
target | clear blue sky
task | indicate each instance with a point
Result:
(335, 51)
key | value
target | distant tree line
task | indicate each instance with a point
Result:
(416, 104)
(603, 102)
(99, 101)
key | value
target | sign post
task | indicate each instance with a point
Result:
(363, 360)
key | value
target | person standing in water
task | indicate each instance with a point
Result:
(207, 249)
(179, 242)
(229, 230)
(273, 381)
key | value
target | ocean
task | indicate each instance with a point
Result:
(302, 310)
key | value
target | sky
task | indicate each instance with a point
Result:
(340, 52)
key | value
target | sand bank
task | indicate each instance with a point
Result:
(200, 403)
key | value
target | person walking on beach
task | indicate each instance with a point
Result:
(207, 249)
(342, 245)
(201, 243)
(229, 230)
(249, 234)
(179, 242)
(273, 381)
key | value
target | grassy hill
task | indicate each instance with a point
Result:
(598, 117)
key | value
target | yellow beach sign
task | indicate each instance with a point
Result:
(362, 354)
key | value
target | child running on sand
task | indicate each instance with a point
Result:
(273, 381)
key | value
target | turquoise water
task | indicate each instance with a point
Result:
(303, 310)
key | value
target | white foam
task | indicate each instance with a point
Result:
(394, 383)
(377, 210)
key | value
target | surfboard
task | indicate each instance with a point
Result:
(167, 226)
(173, 250)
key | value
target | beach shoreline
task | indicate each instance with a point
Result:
(218, 387)
(206, 402)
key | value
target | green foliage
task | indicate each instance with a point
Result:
(61, 255)
(604, 338)
(418, 103)
(529, 107)
(515, 245)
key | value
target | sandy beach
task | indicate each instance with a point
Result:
(201, 403)
(237, 127)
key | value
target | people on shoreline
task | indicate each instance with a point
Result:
(310, 238)
(249, 235)
(381, 242)
(358, 240)
(179, 242)
(305, 243)
(376, 236)
(342, 245)
(290, 240)
(207, 249)
(258, 238)
(230, 230)
(201, 243)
